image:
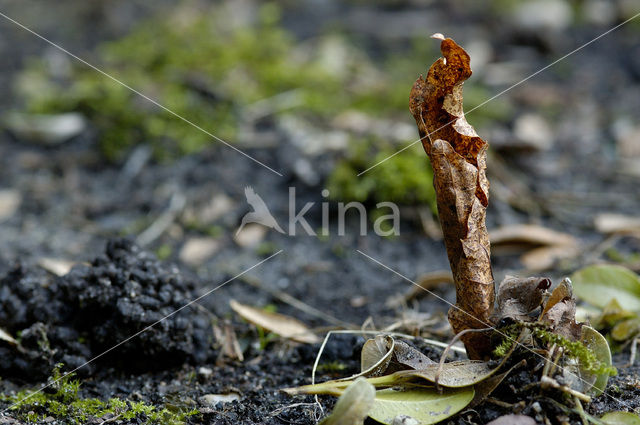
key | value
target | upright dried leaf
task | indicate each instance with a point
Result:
(458, 158)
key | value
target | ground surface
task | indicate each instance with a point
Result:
(72, 203)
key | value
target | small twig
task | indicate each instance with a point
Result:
(580, 410)
(546, 382)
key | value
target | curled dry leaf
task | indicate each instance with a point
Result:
(384, 355)
(376, 355)
(407, 357)
(285, 326)
(563, 291)
(458, 158)
(518, 297)
(559, 312)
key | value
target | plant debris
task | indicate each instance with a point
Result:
(458, 158)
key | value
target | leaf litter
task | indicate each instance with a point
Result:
(527, 325)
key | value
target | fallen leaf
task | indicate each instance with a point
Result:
(458, 159)
(285, 326)
(616, 223)
(620, 418)
(561, 319)
(541, 247)
(56, 266)
(426, 405)
(529, 234)
(354, 404)
(562, 291)
(376, 355)
(408, 357)
(458, 374)
(517, 296)
(4, 336)
(513, 420)
(599, 284)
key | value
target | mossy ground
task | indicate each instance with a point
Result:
(201, 65)
(62, 402)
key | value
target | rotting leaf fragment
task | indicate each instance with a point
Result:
(458, 158)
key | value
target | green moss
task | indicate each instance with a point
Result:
(202, 66)
(404, 178)
(65, 405)
(572, 349)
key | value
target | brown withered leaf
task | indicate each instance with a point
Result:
(458, 158)
(560, 312)
(518, 297)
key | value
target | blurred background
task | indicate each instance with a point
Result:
(318, 91)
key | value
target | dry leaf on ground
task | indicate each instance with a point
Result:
(540, 247)
(617, 223)
(285, 326)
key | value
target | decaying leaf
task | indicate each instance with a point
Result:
(385, 355)
(518, 297)
(540, 247)
(599, 284)
(563, 291)
(426, 405)
(458, 374)
(376, 355)
(458, 158)
(408, 357)
(285, 326)
(561, 319)
(354, 404)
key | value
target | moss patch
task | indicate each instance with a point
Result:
(61, 401)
